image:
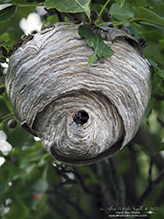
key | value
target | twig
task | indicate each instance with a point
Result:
(118, 183)
(59, 209)
(6, 117)
(107, 199)
(150, 171)
(161, 122)
(144, 138)
(113, 173)
(150, 188)
(64, 195)
(102, 11)
(103, 7)
(27, 5)
(62, 172)
(86, 189)
(60, 15)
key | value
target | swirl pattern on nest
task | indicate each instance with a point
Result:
(83, 114)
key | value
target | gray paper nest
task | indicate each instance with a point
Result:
(82, 114)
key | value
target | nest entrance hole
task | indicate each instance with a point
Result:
(81, 117)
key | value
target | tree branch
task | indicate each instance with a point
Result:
(81, 180)
(144, 138)
(150, 188)
(150, 171)
(107, 199)
(119, 184)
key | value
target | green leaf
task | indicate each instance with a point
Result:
(8, 43)
(144, 149)
(159, 9)
(159, 71)
(120, 2)
(121, 13)
(148, 110)
(18, 210)
(4, 37)
(161, 148)
(5, 41)
(1, 126)
(72, 6)
(40, 186)
(161, 41)
(136, 3)
(2, 89)
(4, 1)
(96, 42)
(7, 13)
(53, 19)
(8, 103)
(3, 187)
(146, 17)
